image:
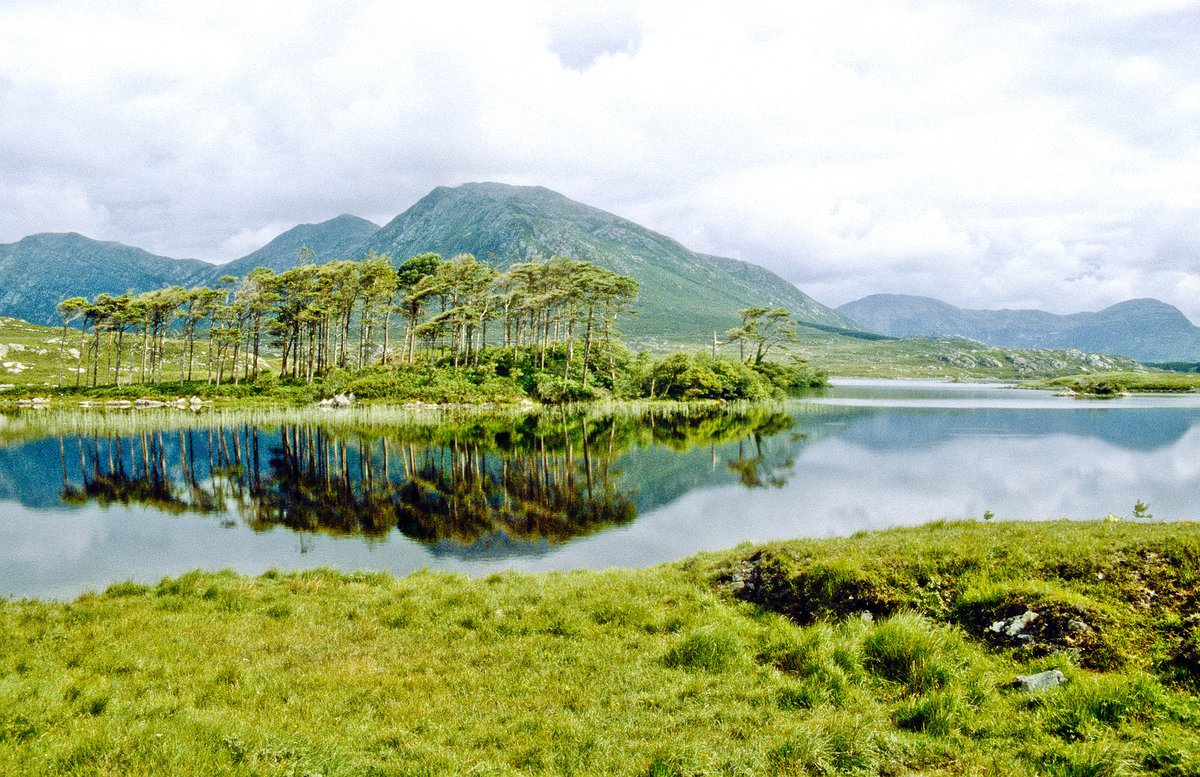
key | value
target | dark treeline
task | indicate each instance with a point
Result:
(536, 480)
(342, 315)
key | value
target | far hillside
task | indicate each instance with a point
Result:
(1146, 330)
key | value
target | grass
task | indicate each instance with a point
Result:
(716, 420)
(675, 670)
(1113, 383)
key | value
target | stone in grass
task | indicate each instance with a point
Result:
(1015, 625)
(1040, 681)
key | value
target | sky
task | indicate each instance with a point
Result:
(1030, 154)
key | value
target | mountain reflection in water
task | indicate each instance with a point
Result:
(516, 486)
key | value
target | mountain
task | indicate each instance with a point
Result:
(39, 271)
(1144, 329)
(333, 239)
(685, 296)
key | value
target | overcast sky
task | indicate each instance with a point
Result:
(992, 154)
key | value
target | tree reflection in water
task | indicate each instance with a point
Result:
(543, 478)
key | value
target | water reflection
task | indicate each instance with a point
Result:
(556, 491)
(539, 481)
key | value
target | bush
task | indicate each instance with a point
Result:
(699, 376)
(792, 377)
(1102, 387)
(554, 390)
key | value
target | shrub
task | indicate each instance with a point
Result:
(1099, 387)
(555, 390)
(792, 377)
(698, 376)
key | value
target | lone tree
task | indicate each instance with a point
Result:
(764, 329)
(69, 310)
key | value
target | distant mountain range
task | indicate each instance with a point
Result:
(685, 296)
(1144, 329)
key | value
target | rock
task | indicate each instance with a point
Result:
(1040, 681)
(1015, 625)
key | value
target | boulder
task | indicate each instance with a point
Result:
(1040, 681)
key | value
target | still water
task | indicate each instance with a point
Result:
(81, 512)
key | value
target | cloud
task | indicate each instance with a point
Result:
(581, 34)
(1035, 153)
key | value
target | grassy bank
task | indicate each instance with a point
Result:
(869, 655)
(1116, 383)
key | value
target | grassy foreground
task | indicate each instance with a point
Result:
(759, 660)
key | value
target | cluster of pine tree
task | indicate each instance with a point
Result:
(549, 329)
(340, 314)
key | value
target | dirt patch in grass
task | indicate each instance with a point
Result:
(819, 591)
(1184, 663)
(1036, 625)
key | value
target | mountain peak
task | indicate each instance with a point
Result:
(685, 295)
(328, 240)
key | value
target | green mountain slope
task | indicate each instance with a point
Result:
(685, 296)
(1144, 329)
(329, 240)
(39, 271)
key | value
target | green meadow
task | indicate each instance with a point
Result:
(876, 654)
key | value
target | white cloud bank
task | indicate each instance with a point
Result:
(1036, 154)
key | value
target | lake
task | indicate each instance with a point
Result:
(82, 510)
